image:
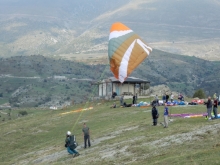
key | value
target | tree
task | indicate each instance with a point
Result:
(200, 94)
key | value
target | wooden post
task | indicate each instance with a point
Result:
(102, 89)
(106, 84)
(128, 87)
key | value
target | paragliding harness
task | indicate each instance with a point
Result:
(72, 142)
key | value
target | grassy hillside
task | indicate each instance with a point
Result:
(30, 80)
(119, 136)
(181, 73)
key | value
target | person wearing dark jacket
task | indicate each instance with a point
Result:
(71, 144)
(134, 99)
(167, 98)
(127, 105)
(155, 114)
(114, 94)
(209, 107)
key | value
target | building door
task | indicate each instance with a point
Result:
(117, 89)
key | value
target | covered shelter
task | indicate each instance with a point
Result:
(130, 86)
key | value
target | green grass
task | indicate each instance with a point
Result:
(2, 101)
(119, 136)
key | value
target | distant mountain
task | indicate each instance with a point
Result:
(63, 28)
(40, 81)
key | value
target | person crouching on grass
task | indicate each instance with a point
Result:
(113, 105)
(70, 144)
(166, 114)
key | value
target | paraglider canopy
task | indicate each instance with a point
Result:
(126, 50)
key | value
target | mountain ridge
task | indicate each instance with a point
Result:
(180, 27)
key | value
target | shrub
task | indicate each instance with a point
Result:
(22, 113)
(199, 93)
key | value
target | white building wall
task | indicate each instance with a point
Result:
(117, 88)
(128, 88)
(120, 88)
(105, 89)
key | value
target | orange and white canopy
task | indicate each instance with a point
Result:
(126, 50)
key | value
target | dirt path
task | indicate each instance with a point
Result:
(45, 156)
(120, 148)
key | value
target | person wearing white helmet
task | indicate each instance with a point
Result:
(71, 144)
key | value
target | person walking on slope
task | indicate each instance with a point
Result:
(155, 114)
(86, 134)
(209, 107)
(166, 114)
(71, 144)
(215, 108)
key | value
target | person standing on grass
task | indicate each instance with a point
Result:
(136, 98)
(155, 114)
(215, 108)
(71, 144)
(171, 97)
(214, 96)
(209, 107)
(164, 98)
(122, 100)
(133, 99)
(157, 100)
(86, 134)
(166, 114)
(167, 97)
